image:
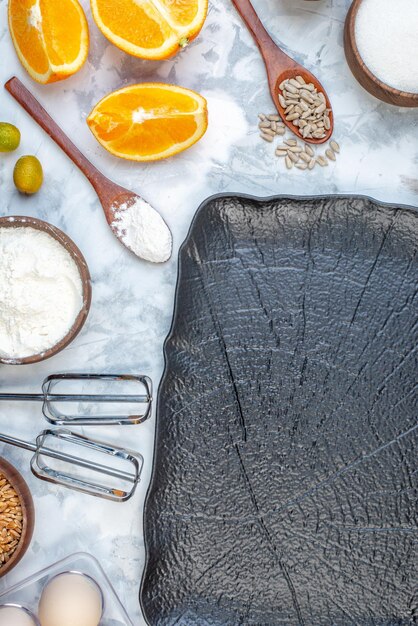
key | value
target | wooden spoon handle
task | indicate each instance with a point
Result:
(270, 51)
(38, 113)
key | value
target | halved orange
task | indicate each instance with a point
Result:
(150, 29)
(149, 122)
(51, 38)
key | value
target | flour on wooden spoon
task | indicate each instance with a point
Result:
(143, 230)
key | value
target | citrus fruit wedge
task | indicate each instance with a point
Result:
(149, 122)
(51, 38)
(150, 29)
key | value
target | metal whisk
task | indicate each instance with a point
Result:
(50, 398)
(84, 483)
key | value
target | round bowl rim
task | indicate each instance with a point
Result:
(384, 92)
(15, 478)
(19, 221)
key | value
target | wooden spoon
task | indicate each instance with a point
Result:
(363, 74)
(114, 198)
(279, 66)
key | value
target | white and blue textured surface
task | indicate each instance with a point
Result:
(133, 301)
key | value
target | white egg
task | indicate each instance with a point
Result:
(71, 599)
(15, 616)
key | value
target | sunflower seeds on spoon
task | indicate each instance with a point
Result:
(295, 154)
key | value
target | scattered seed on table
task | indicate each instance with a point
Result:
(266, 137)
(312, 163)
(289, 163)
(301, 166)
(305, 157)
(281, 153)
(273, 117)
(295, 149)
(322, 161)
(334, 145)
(330, 154)
(293, 157)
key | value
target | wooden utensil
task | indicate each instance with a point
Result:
(114, 198)
(17, 221)
(16, 480)
(363, 74)
(279, 66)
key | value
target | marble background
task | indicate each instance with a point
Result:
(133, 301)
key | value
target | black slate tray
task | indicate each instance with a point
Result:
(285, 479)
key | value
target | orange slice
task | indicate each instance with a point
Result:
(150, 29)
(149, 122)
(51, 38)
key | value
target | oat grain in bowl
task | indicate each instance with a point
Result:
(11, 520)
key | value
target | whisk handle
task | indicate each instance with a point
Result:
(18, 443)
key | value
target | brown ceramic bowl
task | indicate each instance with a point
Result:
(19, 485)
(69, 245)
(363, 74)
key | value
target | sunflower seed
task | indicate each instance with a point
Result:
(305, 157)
(294, 82)
(289, 109)
(273, 117)
(301, 166)
(306, 96)
(334, 145)
(306, 130)
(293, 157)
(282, 84)
(330, 154)
(262, 116)
(295, 149)
(300, 80)
(322, 161)
(292, 116)
(309, 150)
(282, 101)
(291, 142)
(264, 124)
(310, 87)
(290, 88)
(280, 131)
(312, 164)
(266, 137)
(281, 153)
(327, 123)
(289, 163)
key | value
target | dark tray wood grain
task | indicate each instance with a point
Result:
(284, 489)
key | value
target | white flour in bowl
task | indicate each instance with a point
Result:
(386, 34)
(41, 292)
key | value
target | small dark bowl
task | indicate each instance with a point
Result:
(363, 74)
(19, 485)
(69, 245)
